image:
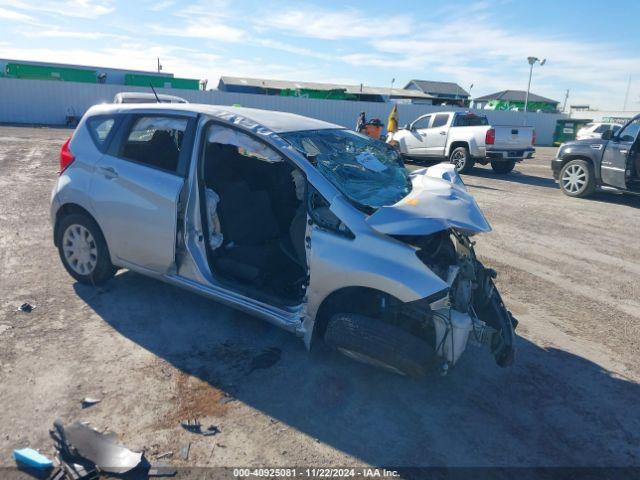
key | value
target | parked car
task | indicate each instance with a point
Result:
(464, 139)
(144, 97)
(310, 226)
(611, 163)
(596, 130)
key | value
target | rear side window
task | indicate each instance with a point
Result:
(155, 141)
(100, 129)
(602, 128)
(440, 120)
(470, 121)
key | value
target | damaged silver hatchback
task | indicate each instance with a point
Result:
(312, 227)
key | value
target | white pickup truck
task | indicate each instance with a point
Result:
(464, 138)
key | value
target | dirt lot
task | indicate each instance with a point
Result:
(569, 269)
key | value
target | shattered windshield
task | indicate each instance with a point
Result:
(365, 170)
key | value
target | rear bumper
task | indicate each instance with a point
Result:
(516, 155)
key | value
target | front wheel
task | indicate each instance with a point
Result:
(371, 341)
(83, 250)
(462, 160)
(577, 179)
(503, 167)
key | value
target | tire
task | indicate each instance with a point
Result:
(83, 250)
(374, 342)
(503, 167)
(462, 160)
(577, 179)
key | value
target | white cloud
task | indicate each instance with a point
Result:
(66, 8)
(332, 25)
(12, 15)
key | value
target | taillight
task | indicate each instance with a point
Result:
(533, 137)
(490, 137)
(66, 157)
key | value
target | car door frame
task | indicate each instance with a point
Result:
(127, 249)
(615, 161)
(416, 137)
(436, 140)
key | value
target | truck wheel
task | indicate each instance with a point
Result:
(462, 160)
(371, 341)
(83, 250)
(503, 167)
(577, 179)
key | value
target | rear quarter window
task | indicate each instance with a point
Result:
(101, 130)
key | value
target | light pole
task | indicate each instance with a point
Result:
(393, 80)
(532, 61)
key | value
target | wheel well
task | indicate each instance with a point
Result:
(569, 158)
(361, 300)
(68, 209)
(457, 144)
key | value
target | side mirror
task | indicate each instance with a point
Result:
(407, 126)
(607, 135)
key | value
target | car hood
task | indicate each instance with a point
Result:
(438, 201)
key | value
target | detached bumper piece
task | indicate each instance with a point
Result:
(491, 310)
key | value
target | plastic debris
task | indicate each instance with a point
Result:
(29, 457)
(211, 430)
(162, 470)
(165, 454)
(193, 426)
(80, 440)
(184, 451)
(89, 401)
(26, 308)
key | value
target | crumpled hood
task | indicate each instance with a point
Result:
(439, 201)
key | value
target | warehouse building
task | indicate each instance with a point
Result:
(513, 100)
(326, 91)
(85, 74)
(443, 93)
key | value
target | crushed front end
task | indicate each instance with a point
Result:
(474, 309)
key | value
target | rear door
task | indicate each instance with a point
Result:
(415, 141)
(136, 185)
(614, 159)
(437, 135)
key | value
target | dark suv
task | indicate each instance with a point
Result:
(610, 163)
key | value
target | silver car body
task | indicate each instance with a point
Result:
(138, 211)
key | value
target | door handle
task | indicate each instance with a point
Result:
(624, 151)
(108, 172)
(443, 133)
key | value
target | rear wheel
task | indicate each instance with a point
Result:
(83, 250)
(503, 167)
(461, 159)
(577, 179)
(371, 341)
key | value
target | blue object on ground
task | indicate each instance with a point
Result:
(30, 458)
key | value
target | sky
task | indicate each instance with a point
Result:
(591, 47)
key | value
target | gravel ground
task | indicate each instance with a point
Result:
(569, 270)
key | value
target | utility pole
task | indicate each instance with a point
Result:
(159, 65)
(393, 80)
(626, 95)
(566, 97)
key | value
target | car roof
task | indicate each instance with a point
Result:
(147, 96)
(278, 122)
